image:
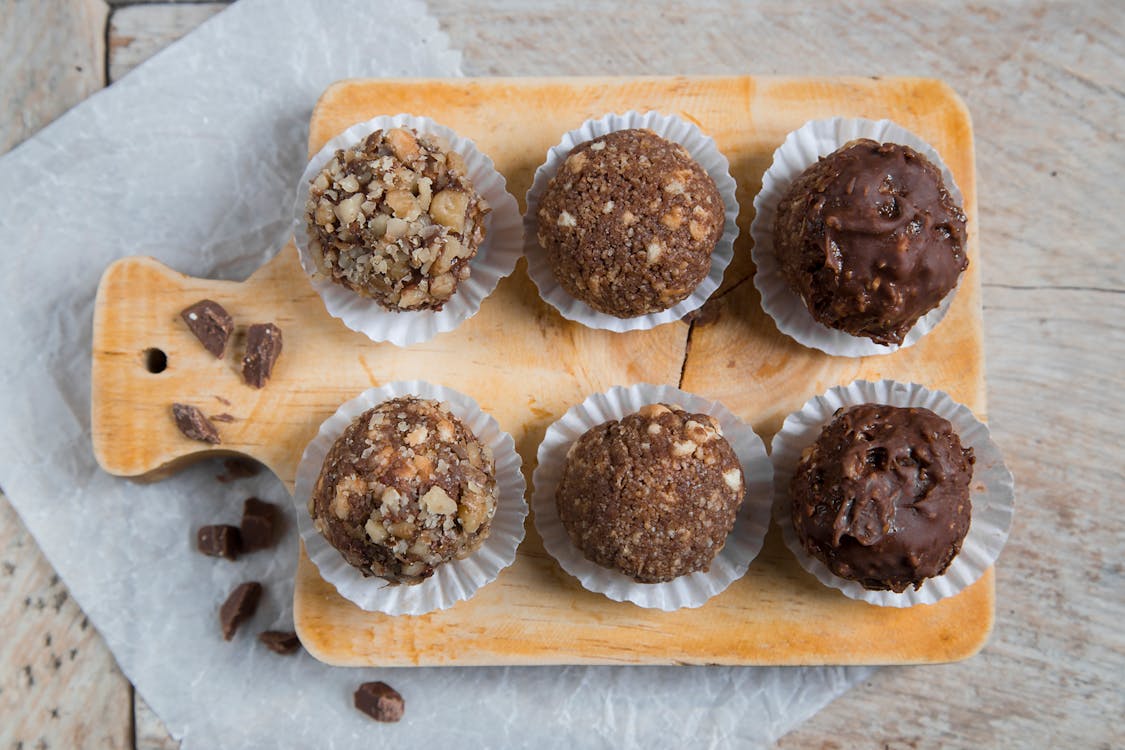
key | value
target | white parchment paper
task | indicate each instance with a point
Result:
(192, 159)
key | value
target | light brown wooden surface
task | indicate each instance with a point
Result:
(526, 365)
(1042, 82)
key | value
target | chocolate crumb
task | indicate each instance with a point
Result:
(219, 541)
(258, 524)
(237, 468)
(263, 347)
(211, 324)
(239, 606)
(280, 642)
(380, 701)
(224, 417)
(194, 425)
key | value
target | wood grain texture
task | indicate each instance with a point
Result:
(137, 32)
(54, 54)
(526, 365)
(59, 686)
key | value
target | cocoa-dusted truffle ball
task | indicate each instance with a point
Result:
(871, 239)
(396, 218)
(404, 489)
(882, 496)
(653, 495)
(629, 223)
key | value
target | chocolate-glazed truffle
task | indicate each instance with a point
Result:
(871, 239)
(404, 489)
(396, 218)
(653, 495)
(882, 496)
(629, 223)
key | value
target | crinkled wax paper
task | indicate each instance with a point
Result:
(192, 158)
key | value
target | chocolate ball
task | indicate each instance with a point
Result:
(653, 495)
(396, 218)
(882, 496)
(404, 489)
(629, 223)
(871, 239)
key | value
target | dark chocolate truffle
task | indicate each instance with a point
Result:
(653, 495)
(871, 239)
(882, 496)
(629, 223)
(397, 219)
(405, 488)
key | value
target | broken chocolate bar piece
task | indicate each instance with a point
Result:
(380, 701)
(211, 324)
(263, 347)
(219, 541)
(280, 642)
(258, 524)
(239, 606)
(194, 425)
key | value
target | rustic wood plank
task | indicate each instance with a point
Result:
(54, 57)
(137, 32)
(59, 684)
(149, 731)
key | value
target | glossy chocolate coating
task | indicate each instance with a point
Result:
(882, 496)
(871, 239)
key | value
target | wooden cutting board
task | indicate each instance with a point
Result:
(526, 365)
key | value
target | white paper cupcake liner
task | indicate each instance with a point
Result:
(702, 148)
(743, 543)
(801, 150)
(452, 581)
(992, 491)
(495, 259)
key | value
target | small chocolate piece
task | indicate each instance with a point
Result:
(194, 425)
(211, 324)
(239, 607)
(224, 417)
(882, 496)
(280, 642)
(263, 347)
(258, 523)
(219, 541)
(380, 701)
(237, 468)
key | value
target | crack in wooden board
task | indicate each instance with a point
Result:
(526, 365)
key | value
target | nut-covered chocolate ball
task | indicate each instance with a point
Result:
(882, 496)
(396, 218)
(653, 495)
(871, 239)
(629, 223)
(404, 489)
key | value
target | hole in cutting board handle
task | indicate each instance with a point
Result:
(155, 360)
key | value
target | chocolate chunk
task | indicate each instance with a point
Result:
(263, 347)
(211, 324)
(258, 524)
(219, 541)
(380, 701)
(194, 425)
(239, 606)
(237, 468)
(280, 642)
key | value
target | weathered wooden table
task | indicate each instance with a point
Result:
(1043, 82)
